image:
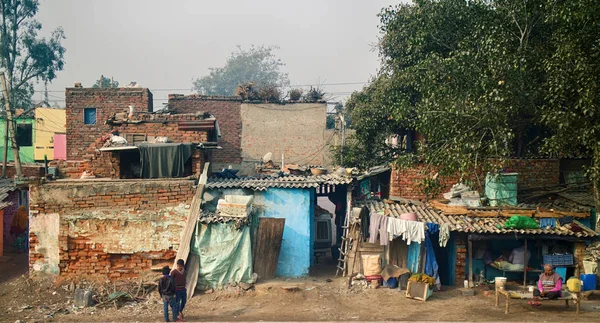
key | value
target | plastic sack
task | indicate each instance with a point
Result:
(521, 222)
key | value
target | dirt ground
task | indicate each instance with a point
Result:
(319, 298)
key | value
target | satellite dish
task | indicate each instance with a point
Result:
(267, 157)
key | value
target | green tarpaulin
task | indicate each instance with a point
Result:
(225, 254)
(164, 160)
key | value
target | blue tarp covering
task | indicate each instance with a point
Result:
(225, 254)
(431, 265)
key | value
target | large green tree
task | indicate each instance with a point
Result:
(24, 56)
(466, 75)
(257, 65)
(572, 108)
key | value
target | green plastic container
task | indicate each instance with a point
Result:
(501, 188)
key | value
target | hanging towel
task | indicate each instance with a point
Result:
(410, 231)
(374, 224)
(548, 222)
(383, 232)
(444, 234)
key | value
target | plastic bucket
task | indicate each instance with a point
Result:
(589, 282)
(500, 282)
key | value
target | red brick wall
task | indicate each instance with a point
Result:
(83, 141)
(227, 112)
(461, 258)
(408, 183)
(116, 229)
(27, 170)
(107, 102)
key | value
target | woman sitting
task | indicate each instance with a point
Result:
(549, 285)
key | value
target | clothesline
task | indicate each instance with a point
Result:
(388, 228)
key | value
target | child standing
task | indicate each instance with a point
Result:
(180, 290)
(166, 289)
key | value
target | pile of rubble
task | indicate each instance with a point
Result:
(592, 252)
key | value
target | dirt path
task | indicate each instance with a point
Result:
(315, 300)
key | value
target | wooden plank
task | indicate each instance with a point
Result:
(268, 244)
(192, 220)
(525, 267)
(191, 274)
(470, 246)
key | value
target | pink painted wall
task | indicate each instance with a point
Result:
(60, 147)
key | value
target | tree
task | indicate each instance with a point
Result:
(24, 56)
(330, 123)
(572, 108)
(105, 82)
(465, 75)
(256, 65)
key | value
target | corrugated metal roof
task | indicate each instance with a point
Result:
(465, 223)
(6, 186)
(207, 217)
(286, 181)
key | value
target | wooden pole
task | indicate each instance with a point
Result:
(525, 265)
(348, 215)
(10, 126)
(5, 145)
(470, 246)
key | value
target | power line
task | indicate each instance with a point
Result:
(191, 90)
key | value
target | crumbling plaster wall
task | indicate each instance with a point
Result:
(295, 130)
(112, 228)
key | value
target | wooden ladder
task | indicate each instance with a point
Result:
(343, 259)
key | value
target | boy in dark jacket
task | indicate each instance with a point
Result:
(178, 275)
(166, 289)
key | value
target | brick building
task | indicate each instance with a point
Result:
(93, 114)
(250, 130)
(117, 224)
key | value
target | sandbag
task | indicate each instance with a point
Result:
(371, 265)
(521, 222)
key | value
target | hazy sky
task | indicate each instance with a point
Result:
(163, 45)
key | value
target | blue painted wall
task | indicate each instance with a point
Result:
(296, 206)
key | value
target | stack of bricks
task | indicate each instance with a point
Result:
(461, 259)
(533, 173)
(227, 111)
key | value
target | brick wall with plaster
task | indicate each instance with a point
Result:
(116, 229)
(296, 130)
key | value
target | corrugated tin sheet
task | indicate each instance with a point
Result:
(464, 223)
(287, 181)
(207, 217)
(6, 186)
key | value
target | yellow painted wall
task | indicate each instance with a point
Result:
(47, 122)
